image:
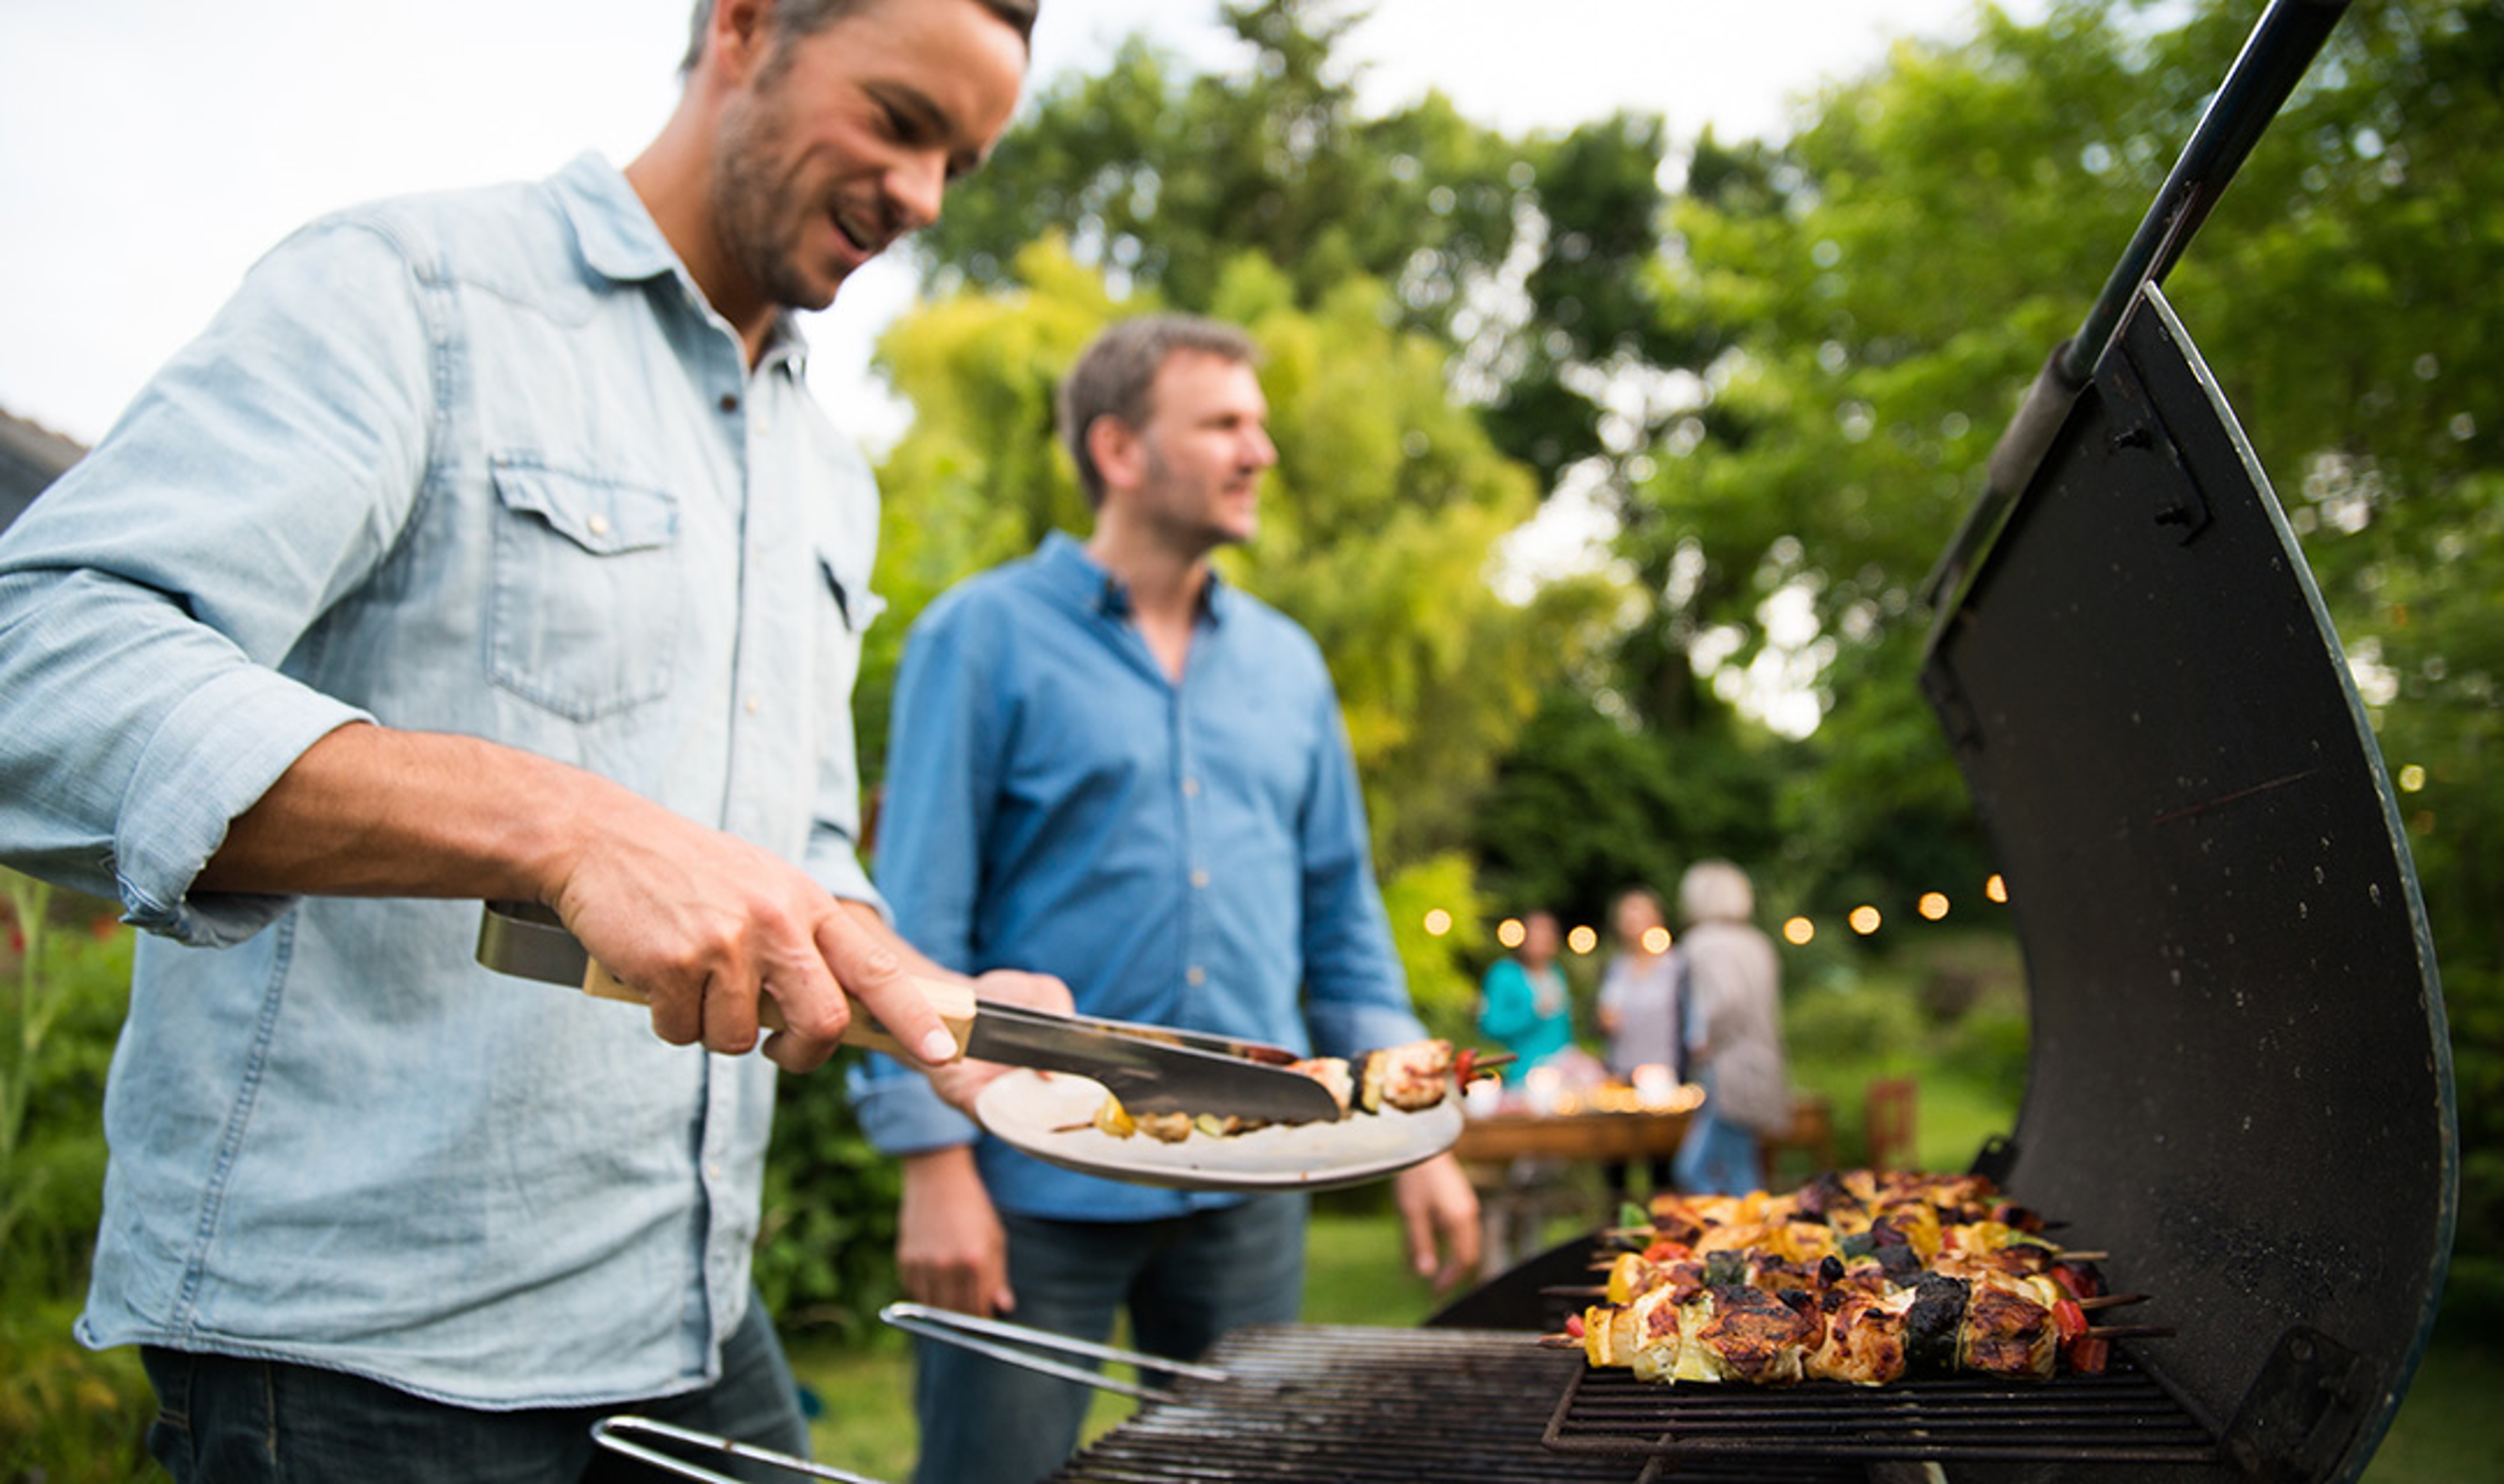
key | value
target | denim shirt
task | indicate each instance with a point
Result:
(1189, 854)
(481, 463)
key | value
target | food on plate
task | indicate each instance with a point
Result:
(1860, 1276)
(1411, 1077)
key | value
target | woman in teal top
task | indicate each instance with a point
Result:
(1524, 1003)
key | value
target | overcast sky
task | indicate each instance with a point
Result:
(150, 150)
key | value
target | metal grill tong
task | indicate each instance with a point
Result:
(624, 1435)
(1026, 1346)
(1150, 1068)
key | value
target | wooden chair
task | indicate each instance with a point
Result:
(1889, 1122)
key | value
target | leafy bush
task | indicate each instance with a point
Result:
(2474, 1003)
(65, 1413)
(1988, 1047)
(1868, 1023)
(68, 1415)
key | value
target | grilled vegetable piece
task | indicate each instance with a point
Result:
(1932, 1324)
(1411, 1077)
(1862, 1339)
(1752, 1336)
(1165, 1127)
(1332, 1072)
(1114, 1119)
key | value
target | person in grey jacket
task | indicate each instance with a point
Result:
(1734, 1040)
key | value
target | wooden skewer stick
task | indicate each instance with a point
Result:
(2067, 1256)
(2132, 1331)
(1559, 1342)
(2111, 1301)
(1575, 1291)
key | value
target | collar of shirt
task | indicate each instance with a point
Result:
(622, 243)
(1073, 574)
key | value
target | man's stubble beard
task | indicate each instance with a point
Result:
(754, 213)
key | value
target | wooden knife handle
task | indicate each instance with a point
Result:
(953, 999)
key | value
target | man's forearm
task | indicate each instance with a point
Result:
(368, 810)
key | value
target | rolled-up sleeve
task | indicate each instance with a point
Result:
(149, 599)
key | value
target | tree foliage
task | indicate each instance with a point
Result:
(1520, 255)
(1876, 293)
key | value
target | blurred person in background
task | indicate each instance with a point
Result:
(1732, 980)
(1523, 1004)
(1640, 1010)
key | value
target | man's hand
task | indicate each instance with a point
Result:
(706, 924)
(959, 1082)
(949, 1250)
(1436, 1202)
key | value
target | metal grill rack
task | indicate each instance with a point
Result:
(2121, 1417)
(1344, 1404)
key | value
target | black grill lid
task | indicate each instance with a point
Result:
(2241, 1082)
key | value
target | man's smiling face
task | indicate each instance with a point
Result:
(845, 139)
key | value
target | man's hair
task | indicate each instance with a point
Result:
(1116, 377)
(1716, 891)
(804, 17)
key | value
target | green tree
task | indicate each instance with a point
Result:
(1873, 295)
(1520, 255)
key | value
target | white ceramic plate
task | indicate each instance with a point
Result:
(1035, 1113)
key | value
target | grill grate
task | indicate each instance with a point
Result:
(1345, 1404)
(2121, 1417)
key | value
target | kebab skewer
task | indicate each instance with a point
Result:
(1883, 1276)
(1412, 1077)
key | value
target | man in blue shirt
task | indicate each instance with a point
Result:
(1110, 766)
(488, 544)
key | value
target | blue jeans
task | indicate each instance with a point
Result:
(1185, 1281)
(1716, 1157)
(223, 1419)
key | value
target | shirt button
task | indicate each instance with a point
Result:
(598, 525)
(730, 402)
(753, 703)
(1191, 788)
(1199, 879)
(712, 1169)
(1197, 974)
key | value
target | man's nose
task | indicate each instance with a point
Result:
(1258, 451)
(917, 185)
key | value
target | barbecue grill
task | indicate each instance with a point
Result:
(2241, 1082)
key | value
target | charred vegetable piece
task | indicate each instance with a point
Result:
(1933, 1323)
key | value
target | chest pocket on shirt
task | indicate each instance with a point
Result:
(848, 609)
(585, 609)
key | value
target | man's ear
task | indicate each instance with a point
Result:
(1118, 452)
(738, 37)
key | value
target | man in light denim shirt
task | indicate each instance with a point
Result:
(1111, 766)
(488, 544)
